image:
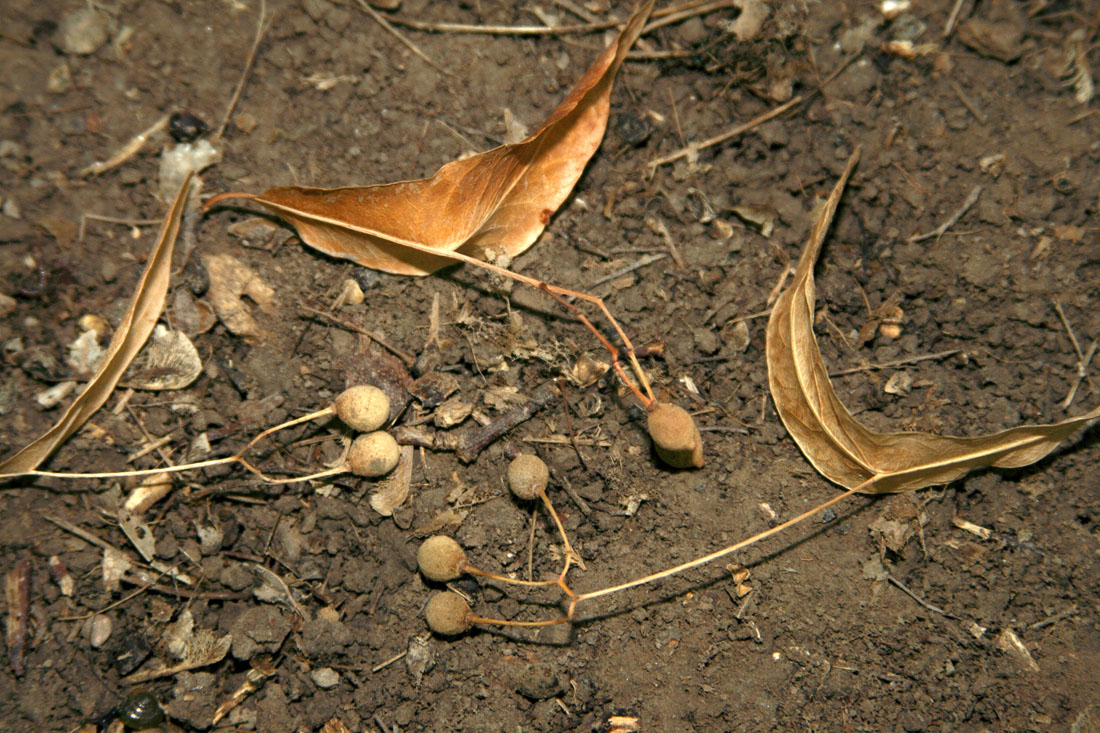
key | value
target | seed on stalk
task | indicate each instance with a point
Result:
(373, 455)
(527, 476)
(364, 408)
(448, 614)
(441, 558)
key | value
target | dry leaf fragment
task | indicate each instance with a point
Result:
(195, 647)
(491, 205)
(840, 447)
(230, 281)
(1008, 642)
(168, 361)
(145, 307)
(394, 489)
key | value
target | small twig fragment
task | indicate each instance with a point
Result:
(901, 586)
(260, 30)
(975, 529)
(733, 132)
(401, 37)
(472, 441)
(17, 589)
(127, 151)
(971, 199)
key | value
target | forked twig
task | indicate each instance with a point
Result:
(1083, 359)
(576, 598)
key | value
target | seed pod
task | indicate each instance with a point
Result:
(373, 455)
(441, 558)
(363, 407)
(140, 710)
(527, 476)
(447, 613)
(675, 436)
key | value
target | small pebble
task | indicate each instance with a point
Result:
(326, 678)
(11, 209)
(82, 32)
(60, 79)
(7, 305)
(100, 631)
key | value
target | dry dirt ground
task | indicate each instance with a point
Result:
(826, 639)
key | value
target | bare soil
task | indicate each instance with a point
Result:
(826, 639)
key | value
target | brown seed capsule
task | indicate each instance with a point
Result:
(447, 613)
(527, 476)
(373, 455)
(441, 558)
(364, 408)
(675, 436)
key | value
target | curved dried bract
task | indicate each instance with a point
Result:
(841, 448)
(145, 309)
(492, 204)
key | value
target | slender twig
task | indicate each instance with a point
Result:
(647, 260)
(953, 18)
(1055, 618)
(261, 28)
(382, 665)
(1083, 359)
(401, 37)
(896, 362)
(900, 586)
(971, 199)
(681, 12)
(728, 134)
(127, 151)
(969, 104)
(356, 328)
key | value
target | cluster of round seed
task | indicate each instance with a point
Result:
(442, 559)
(366, 409)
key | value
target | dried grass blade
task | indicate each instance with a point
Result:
(145, 309)
(843, 449)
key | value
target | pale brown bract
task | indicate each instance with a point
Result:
(840, 447)
(486, 206)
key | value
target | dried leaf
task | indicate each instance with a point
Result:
(230, 281)
(195, 647)
(394, 489)
(168, 361)
(145, 308)
(490, 205)
(841, 448)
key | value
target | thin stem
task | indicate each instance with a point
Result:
(505, 579)
(475, 619)
(555, 291)
(124, 474)
(330, 410)
(569, 554)
(723, 552)
(236, 458)
(297, 479)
